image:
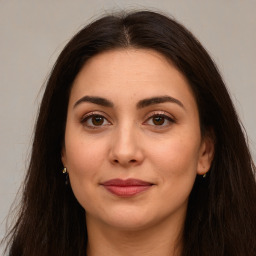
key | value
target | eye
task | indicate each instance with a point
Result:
(159, 119)
(94, 121)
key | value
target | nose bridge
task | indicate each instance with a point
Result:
(125, 145)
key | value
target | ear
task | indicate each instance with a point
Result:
(206, 154)
(63, 156)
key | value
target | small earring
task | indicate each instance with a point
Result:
(204, 176)
(64, 171)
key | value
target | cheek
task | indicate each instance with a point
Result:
(83, 163)
(175, 163)
(84, 160)
(179, 156)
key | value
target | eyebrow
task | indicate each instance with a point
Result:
(157, 100)
(96, 100)
(141, 104)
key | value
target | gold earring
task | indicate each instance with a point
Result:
(204, 176)
(64, 171)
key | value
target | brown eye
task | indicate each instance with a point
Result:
(97, 120)
(158, 120)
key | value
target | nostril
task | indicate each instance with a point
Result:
(131, 161)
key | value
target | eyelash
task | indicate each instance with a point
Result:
(155, 114)
(160, 114)
(89, 116)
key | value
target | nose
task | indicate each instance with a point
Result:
(126, 149)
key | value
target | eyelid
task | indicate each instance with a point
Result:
(169, 120)
(160, 113)
(86, 117)
(152, 114)
(94, 113)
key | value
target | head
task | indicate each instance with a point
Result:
(164, 39)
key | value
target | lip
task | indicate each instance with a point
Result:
(126, 188)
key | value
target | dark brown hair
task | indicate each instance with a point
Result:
(221, 214)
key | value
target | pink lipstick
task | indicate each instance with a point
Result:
(126, 188)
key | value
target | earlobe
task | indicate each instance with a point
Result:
(206, 155)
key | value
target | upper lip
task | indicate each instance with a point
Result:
(126, 183)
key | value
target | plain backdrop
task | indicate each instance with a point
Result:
(32, 34)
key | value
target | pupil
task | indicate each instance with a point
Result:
(97, 120)
(158, 120)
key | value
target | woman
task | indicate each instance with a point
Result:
(137, 150)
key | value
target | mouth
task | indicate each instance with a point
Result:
(126, 188)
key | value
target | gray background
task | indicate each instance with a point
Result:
(34, 32)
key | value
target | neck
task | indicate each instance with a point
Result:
(163, 239)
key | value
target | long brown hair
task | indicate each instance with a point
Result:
(221, 214)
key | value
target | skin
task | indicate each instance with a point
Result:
(131, 142)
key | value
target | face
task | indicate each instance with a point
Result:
(133, 145)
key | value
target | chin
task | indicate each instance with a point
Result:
(131, 218)
(129, 223)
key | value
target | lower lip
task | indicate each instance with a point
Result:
(127, 191)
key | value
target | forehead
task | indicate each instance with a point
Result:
(129, 73)
(143, 64)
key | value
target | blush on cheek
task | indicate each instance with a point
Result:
(84, 163)
(82, 154)
(81, 182)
